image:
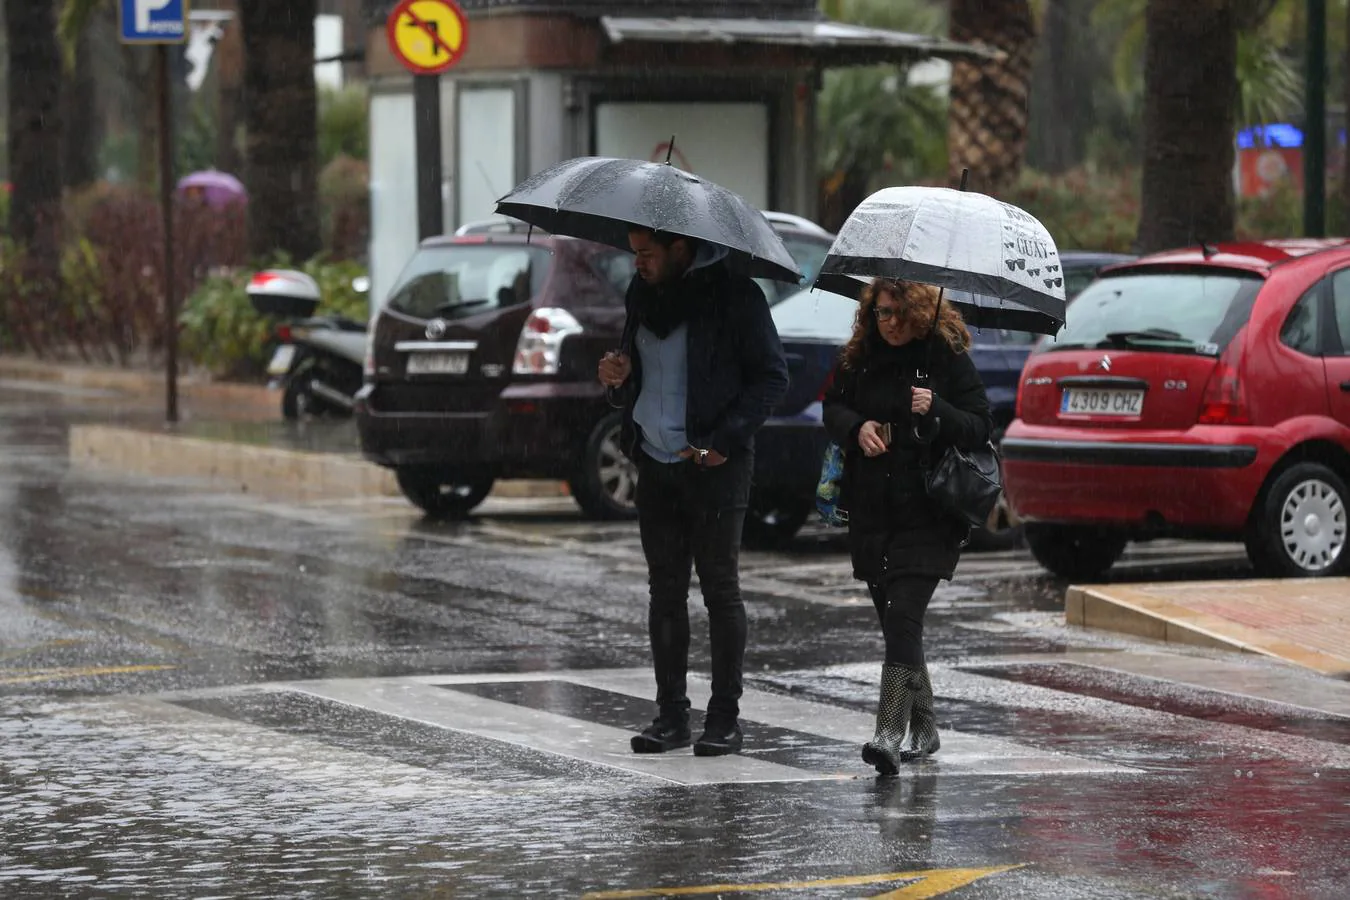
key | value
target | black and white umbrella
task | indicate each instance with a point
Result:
(600, 198)
(999, 261)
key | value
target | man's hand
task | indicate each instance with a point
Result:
(615, 369)
(712, 460)
(869, 439)
(921, 401)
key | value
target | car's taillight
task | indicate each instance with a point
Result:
(825, 388)
(539, 351)
(1225, 399)
(284, 333)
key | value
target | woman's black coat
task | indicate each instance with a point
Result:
(894, 529)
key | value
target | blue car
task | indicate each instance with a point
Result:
(814, 325)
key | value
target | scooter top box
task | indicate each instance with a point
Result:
(284, 292)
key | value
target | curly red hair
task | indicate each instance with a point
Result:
(917, 303)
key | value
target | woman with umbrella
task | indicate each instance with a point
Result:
(906, 393)
(898, 368)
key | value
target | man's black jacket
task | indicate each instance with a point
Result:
(736, 370)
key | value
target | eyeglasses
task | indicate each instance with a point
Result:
(883, 313)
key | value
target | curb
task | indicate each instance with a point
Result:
(271, 472)
(1135, 611)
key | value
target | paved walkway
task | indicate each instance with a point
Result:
(1304, 621)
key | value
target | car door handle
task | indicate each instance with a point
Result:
(1345, 386)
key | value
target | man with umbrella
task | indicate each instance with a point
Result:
(699, 370)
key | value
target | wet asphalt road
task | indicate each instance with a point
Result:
(206, 695)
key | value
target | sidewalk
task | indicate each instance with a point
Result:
(231, 435)
(197, 395)
(1303, 621)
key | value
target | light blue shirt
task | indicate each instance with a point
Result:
(661, 405)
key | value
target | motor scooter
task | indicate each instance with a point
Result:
(318, 360)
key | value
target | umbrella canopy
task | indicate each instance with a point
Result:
(216, 188)
(1001, 257)
(978, 310)
(599, 199)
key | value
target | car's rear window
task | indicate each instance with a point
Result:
(1195, 311)
(816, 313)
(467, 279)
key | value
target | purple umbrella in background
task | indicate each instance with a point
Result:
(217, 189)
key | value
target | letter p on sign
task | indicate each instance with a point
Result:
(154, 21)
(143, 10)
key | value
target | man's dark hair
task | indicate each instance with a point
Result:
(666, 238)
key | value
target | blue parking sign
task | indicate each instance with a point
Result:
(154, 21)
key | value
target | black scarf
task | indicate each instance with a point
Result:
(665, 307)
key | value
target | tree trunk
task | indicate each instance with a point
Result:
(281, 121)
(35, 130)
(83, 134)
(988, 101)
(1062, 107)
(1190, 103)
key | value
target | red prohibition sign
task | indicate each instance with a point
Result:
(427, 36)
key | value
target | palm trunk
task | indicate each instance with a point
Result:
(35, 131)
(281, 121)
(988, 102)
(1190, 103)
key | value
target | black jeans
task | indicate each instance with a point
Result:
(901, 603)
(690, 514)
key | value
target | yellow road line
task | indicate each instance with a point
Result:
(927, 883)
(33, 675)
(46, 645)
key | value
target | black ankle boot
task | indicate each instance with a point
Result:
(665, 733)
(893, 713)
(923, 734)
(720, 737)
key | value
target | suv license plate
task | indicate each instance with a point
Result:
(1084, 402)
(438, 363)
(281, 360)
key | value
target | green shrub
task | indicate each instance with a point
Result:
(222, 333)
(1082, 210)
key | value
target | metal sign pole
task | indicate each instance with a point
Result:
(166, 213)
(427, 128)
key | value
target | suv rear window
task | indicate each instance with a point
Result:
(1182, 312)
(461, 280)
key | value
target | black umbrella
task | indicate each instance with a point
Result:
(600, 199)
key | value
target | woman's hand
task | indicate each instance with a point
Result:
(921, 401)
(869, 439)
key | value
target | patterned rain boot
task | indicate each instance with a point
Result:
(923, 734)
(893, 713)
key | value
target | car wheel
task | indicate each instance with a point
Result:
(769, 525)
(1003, 530)
(1299, 528)
(1074, 553)
(606, 486)
(442, 494)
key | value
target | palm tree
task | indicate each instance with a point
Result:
(988, 105)
(35, 131)
(1190, 111)
(281, 126)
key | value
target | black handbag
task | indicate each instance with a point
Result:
(966, 484)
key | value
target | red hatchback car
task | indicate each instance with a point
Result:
(1197, 393)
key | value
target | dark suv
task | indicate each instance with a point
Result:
(482, 365)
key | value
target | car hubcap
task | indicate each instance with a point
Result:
(618, 473)
(1312, 525)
